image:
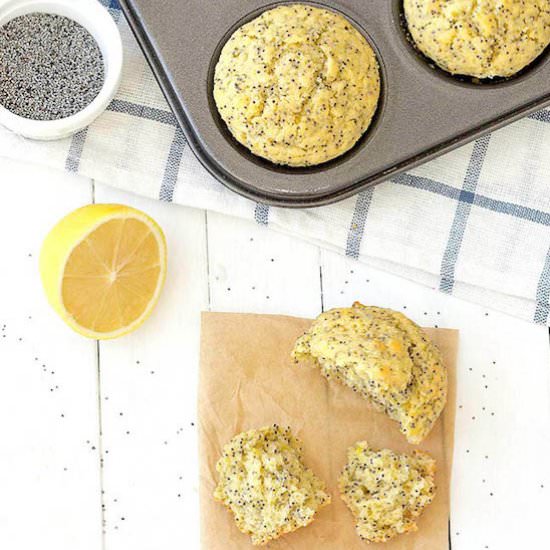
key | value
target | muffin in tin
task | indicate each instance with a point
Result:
(298, 85)
(482, 38)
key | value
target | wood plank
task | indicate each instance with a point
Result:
(255, 270)
(501, 484)
(49, 461)
(148, 398)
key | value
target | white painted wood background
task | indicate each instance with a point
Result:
(98, 447)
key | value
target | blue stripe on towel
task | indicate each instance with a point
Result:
(543, 294)
(142, 111)
(541, 116)
(502, 207)
(460, 221)
(358, 221)
(72, 162)
(261, 214)
(173, 163)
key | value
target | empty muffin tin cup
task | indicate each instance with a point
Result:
(98, 22)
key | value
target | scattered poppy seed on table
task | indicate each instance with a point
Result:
(51, 67)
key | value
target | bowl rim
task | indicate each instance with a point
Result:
(91, 15)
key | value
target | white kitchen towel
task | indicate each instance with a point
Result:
(474, 223)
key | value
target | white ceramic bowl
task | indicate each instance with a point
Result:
(97, 20)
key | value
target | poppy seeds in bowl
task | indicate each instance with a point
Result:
(50, 66)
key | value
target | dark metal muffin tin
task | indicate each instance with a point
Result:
(423, 111)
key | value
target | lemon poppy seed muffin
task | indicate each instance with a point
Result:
(386, 491)
(298, 85)
(264, 482)
(384, 357)
(480, 38)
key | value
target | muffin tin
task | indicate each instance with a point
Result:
(423, 111)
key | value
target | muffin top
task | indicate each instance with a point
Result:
(384, 357)
(480, 38)
(298, 85)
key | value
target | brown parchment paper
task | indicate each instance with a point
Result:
(247, 380)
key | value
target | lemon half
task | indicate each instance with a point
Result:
(103, 267)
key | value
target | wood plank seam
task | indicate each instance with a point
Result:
(321, 280)
(100, 446)
(100, 428)
(207, 260)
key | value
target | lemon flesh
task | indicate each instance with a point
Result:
(103, 267)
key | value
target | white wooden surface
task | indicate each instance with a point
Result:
(98, 446)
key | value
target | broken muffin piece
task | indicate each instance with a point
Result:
(383, 356)
(386, 491)
(265, 484)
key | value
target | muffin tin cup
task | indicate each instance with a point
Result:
(423, 111)
(361, 142)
